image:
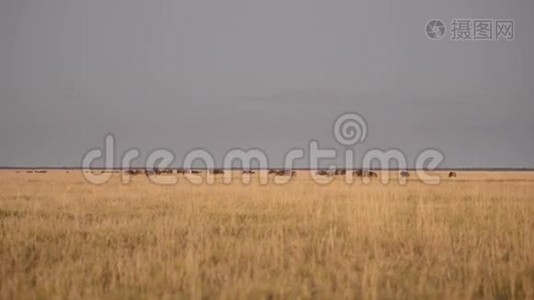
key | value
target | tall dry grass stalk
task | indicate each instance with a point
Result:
(63, 238)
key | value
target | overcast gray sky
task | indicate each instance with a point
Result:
(269, 74)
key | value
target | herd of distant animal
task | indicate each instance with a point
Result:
(277, 172)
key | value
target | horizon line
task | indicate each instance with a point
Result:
(296, 169)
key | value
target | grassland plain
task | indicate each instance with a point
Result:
(468, 237)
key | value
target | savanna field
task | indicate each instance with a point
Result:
(470, 237)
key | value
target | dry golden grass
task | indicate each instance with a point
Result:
(469, 237)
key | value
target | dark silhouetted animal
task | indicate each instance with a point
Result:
(364, 173)
(166, 171)
(217, 171)
(404, 174)
(280, 172)
(150, 172)
(323, 172)
(340, 172)
(133, 172)
(452, 174)
(283, 173)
